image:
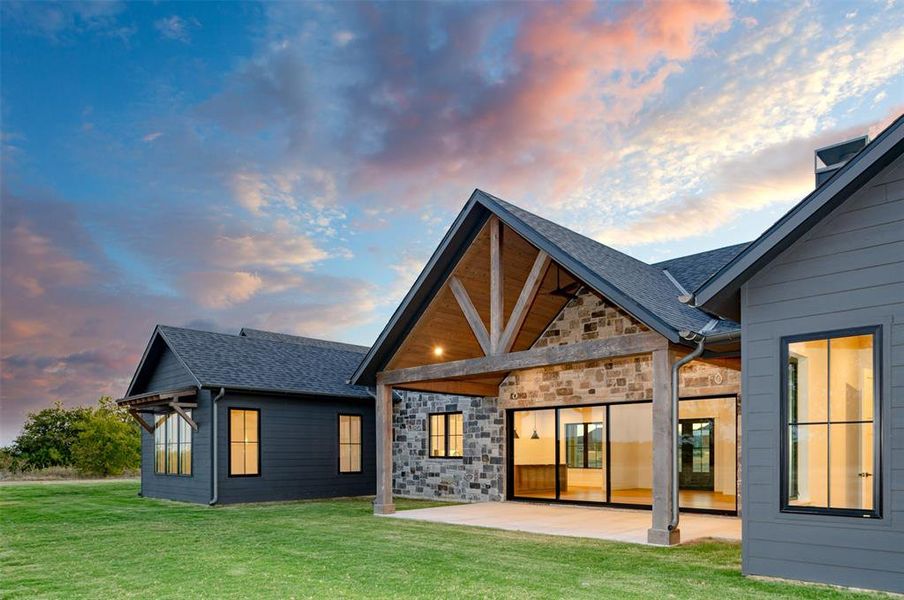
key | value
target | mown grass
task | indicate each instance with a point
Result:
(102, 541)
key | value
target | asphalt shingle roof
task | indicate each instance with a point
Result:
(645, 284)
(692, 270)
(297, 339)
(260, 361)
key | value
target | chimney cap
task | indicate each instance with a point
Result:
(835, 155)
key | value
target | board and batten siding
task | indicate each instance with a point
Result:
(847, 271)
(168, 373)
(299, 446)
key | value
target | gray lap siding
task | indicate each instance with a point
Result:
(187, 488)
(848, 271)
(299, 448)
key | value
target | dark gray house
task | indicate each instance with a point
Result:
(251, 417)
(820, 296)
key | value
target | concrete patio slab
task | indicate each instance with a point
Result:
(622, 525)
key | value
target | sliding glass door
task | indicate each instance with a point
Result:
(582, 454)
(631, 446)
(603, 454)
(534, 454)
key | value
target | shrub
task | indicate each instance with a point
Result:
(9, 463)
(47, 437)
(108, 441)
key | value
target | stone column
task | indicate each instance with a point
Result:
(663, 452)
(383, 504)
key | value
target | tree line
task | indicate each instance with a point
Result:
(102, 440)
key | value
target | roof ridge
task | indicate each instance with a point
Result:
(506, 203)
(702, 252)
(305, 338)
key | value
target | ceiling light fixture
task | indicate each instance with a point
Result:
(437, 351)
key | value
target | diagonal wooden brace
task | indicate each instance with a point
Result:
(144, 424)
(178, 408)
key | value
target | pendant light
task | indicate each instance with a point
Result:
(535, 435)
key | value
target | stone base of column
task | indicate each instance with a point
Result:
(384, 509)
(664, 537)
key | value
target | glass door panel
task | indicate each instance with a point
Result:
(534, 453)
(582, 454)
(631, 448)
(708, 453)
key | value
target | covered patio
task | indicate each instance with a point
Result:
(621, 525)
(503, 309)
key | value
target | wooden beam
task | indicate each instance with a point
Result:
(627, 345)
(471, 314)
(383, 504)
(525, 299)
(181, 411)
(496, 288)
(144, 424)
(465, 388)
(158, 397)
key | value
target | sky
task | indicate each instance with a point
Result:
(292, 166)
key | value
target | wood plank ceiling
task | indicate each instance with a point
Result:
(443, 325)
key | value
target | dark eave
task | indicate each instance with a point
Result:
(718, 293)
(463, 230)
(157, 398)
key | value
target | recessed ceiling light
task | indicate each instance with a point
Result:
(437, 351)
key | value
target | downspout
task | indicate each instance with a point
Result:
(214, 474)
(702, 339)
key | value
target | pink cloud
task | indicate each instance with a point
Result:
(540, 123)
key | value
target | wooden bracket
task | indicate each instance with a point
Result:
(144, 424)
(181, 411)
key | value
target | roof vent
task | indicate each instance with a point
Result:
(831, 158)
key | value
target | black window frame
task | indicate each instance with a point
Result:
(785, 454)
(360, 443)
(179, 443)
(445, 455)
(585, 446)
(260, 442)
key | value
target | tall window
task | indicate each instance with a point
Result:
(244, 442)
(584, 445)
(172, 445)
(349, 443)
(831, 423)
(446, 435)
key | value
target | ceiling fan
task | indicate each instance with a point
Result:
(569, 291)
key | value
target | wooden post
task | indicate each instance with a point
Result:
(383, 504)
(496, 300)
(663, 452)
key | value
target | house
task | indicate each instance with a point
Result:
(821, 300)
(538, 364)
(251, 417)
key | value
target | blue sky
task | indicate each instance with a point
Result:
(292, 166)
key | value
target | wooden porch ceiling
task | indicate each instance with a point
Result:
(444, 325)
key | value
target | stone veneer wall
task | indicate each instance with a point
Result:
(476, 477)
(480, 474)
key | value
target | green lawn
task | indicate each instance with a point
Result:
(102, 541)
